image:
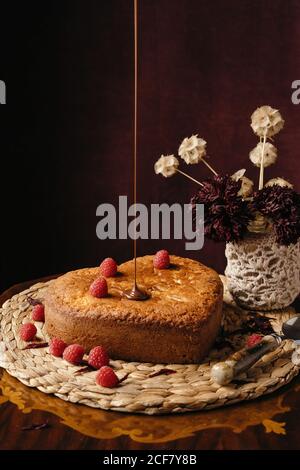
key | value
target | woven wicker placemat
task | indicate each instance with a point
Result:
(188, 388)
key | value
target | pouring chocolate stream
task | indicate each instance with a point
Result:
(135, 293)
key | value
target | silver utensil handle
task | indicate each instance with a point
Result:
(224, 372)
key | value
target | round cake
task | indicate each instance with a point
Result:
(178, 323)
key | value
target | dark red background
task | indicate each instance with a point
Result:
(66, 131)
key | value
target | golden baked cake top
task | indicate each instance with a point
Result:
(185, 294)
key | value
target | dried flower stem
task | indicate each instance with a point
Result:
(208, 166)
(189, 177)
(261, 171)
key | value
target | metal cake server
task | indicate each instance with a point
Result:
(224, 372)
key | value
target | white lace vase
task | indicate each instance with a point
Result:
(263, 275)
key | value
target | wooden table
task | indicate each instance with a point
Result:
(271, 422)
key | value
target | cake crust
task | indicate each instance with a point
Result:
(178, 323)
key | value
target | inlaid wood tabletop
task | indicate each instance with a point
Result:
(30, 419)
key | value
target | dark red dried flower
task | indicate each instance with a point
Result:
(282, 205)
(276, 202)
(227, 215)
(287, 230)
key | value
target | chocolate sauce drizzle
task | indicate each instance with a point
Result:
(135, 293)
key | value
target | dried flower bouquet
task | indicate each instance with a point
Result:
(261, 227)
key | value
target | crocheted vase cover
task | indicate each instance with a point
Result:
(263, 275)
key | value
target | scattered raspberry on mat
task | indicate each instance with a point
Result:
(38, 313)
(28, 331)
(98, 357)
(106, 377)
(252, 340)
(57, 347)
(73, 354)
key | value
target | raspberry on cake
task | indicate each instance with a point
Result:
(161, 260)
(108, 267)
(99, 288)
(178, 323)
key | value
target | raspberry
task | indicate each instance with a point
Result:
(106, 377)
(57, 347)
(73, 353)
(252, 340)
(28, 331)
(98, 357)
(38, 313)
(98, 288)
(108, 267)
(161, 260)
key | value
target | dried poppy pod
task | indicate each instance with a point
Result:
(266, 121)
(270, 154)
